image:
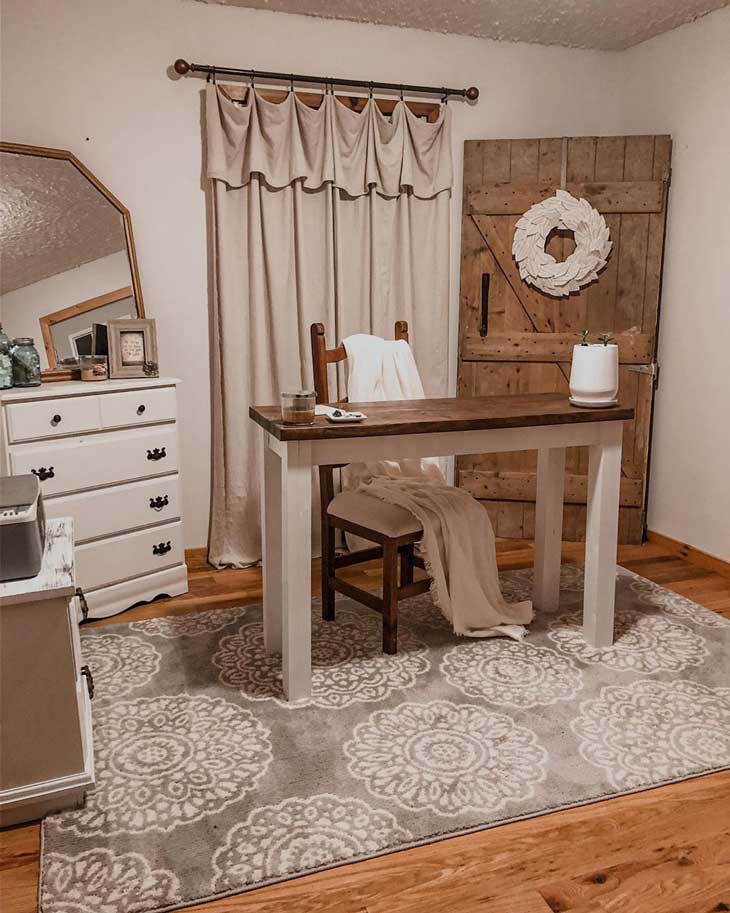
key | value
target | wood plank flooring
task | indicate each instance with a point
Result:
(665, 850)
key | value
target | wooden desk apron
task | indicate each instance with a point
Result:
(546, 422)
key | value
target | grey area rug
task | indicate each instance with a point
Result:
(209, 784)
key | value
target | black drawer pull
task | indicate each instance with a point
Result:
(44, 473)
(159, 502)
(86, 672)
(484, 325)
(162, 549)
(159, 453)
(56, 420)
(82, 603)
(141, 408)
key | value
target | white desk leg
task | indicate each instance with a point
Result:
(548, 527)
(296, 583)
(604, 488)
(271, 465)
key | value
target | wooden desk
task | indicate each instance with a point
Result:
(437, 427)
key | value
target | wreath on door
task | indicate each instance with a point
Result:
(592, 244)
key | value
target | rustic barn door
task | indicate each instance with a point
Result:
(515, 339)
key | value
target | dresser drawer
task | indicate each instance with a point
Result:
(100, 459)
(52, 417)
(138, 407)
(131, 555)
(120, 508)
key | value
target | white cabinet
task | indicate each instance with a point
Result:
(106, 455)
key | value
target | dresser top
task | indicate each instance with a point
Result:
(56, 577)
(56, 389)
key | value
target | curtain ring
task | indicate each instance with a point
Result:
(214, 82)
(291, 82)
(253, 79)
(371, 90)
(401, 92)
(445, 98)
(207, 76)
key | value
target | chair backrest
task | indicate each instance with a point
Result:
(322, 356)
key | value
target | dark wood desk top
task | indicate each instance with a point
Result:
(423, 416)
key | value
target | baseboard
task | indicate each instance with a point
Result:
(690, 553)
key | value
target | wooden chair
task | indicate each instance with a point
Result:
(394, 529)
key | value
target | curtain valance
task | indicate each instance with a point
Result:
(355, 152)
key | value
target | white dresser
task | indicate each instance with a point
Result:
(107, 455)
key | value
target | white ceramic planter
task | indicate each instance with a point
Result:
(594, 375)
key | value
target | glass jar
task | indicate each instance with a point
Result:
(6, 362)
(93, 367)
(298, 408)
(26, 363)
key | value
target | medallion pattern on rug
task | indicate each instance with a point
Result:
(642, 643)
(648, 730)
(191, 624)
(208, 783)
(167, 761)
(348, 663)
(100, 880)
(446, 757)
(511, 674)
(302, 835)
(124, 663)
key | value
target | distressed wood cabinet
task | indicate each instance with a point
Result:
(46, 755)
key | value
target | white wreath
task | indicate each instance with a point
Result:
(592, 245)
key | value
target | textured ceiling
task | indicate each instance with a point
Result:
(52, 219)
(606, 24)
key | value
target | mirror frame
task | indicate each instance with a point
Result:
(64, 154)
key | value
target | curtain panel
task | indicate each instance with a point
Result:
(322, 215)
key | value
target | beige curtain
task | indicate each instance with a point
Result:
(319, 215)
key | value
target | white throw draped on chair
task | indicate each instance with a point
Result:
(458, 541)
(318, 216)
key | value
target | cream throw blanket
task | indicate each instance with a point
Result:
(458, 540)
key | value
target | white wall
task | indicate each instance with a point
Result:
(679, 83)
(21, 309)
(91, 76)
(114, 105)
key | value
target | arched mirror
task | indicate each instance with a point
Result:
(67, 257)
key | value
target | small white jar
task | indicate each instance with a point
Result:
(594, 375)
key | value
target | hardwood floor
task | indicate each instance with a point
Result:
(665, 850)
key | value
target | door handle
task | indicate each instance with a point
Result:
(83, 604)
(158, 453)
(159, 502)
(44, 473)
(162, 549)
(484, 323)
(86, 672)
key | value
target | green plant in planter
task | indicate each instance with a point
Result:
(605, 338)
(584, 337)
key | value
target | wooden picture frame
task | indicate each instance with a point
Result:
(50, 320)
(132, 348)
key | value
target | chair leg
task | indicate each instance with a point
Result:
(406, 564)
(328, 571)
(390, 598)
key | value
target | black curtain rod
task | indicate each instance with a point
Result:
(183, 68)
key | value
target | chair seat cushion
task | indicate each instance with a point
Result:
(371, 512)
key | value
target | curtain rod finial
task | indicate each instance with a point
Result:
(181, 66)
(472, 93)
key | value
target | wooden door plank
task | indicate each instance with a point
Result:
(655, 244)
(634, 348)
(514, 198)
(507, 485)
(531, 301)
